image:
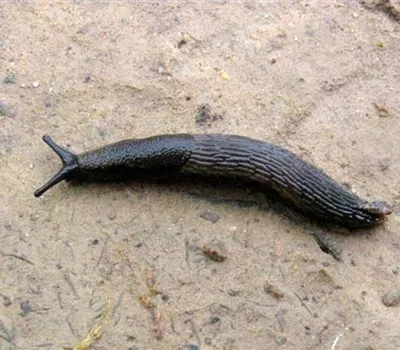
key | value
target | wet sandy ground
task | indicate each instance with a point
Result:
(320, 78)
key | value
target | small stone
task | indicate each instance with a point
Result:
(9, 79)
(210, 216)
(224, 75)
(112, 215)
(391, 298)
(25, 307)
(34, 217)
(280, 340)
(214, 319)
(193, 347)
(215, 250)
(35, 84)
(383, 111)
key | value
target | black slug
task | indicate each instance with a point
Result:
(303, 185)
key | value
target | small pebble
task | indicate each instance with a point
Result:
(193, 347)
(34, 217)
(112, 215)
(214, 319)
(35, 84)
(391, 298)
(210, 216)
(224, 75)
(215, 250)
(280, 340)
(25, 307)
(10, 79)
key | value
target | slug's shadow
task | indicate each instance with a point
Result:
(219, 191)
(241, 195)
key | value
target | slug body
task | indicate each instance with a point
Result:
(303, 185)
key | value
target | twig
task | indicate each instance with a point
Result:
(18, 257)
(102, 251)
(336, 341)
(67, 279)
(303, 304)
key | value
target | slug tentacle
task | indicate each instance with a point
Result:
(69, 162)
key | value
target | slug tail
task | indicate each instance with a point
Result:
(69, 162)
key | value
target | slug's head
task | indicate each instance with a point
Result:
(69, 162)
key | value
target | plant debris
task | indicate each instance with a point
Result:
(97, 329)
(273, 290)
(383, 112)
(215, 250)
(147, 301)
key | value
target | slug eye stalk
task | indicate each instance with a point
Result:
(69, 164)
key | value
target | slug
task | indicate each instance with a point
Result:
(215, 155)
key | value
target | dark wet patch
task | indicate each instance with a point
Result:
(204, 115)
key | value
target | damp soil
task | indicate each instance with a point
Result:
(196, 265)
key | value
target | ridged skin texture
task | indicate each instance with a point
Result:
(305, 186)
(153, 156)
